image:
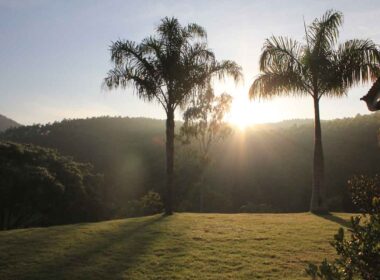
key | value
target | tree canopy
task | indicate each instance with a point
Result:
(40, 187)
(130, 153)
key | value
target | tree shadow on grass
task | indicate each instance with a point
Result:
(100, 255)
(336, 219)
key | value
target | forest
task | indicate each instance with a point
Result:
(265, 168)
(210, 186)
(39, 187)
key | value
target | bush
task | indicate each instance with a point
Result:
(364, 190)
(39, 187)
(149, 204)
(358, 255)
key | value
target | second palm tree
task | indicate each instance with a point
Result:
(319, 67)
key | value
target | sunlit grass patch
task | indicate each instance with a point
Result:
(182, 246)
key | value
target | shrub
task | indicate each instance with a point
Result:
(148, 204)
(151, 203)
(358, 254)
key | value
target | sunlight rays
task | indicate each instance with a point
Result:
(246, 113)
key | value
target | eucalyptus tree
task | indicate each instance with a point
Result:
(168, 68)
(204, 124)
(316, 68)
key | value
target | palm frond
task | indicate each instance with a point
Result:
(196, 53)
(152, 47)
(227, 68)
(278, 50)
(128, 53)
(169, 28)
(122, 50)
(145, 87)
(277, 82)
(358, 61)
(324, 32)
(196, 31)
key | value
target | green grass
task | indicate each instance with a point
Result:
(182, 246)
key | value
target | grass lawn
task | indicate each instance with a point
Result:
(183, 246)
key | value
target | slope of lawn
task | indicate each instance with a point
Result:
(183, 246)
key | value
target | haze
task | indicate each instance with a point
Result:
(54, 54)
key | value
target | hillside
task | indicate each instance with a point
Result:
(6, 123)
(39, 187)
(183, 246)
(266, 168)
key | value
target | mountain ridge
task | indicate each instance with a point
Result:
(6, 123)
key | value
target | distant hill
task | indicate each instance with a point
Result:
(293, 122)
(265, 168)
(6, 123)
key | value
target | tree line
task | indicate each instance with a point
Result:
(267, 168)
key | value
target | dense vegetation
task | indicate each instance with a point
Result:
(182, 246)
(40, 187)
(6, 123)
(358, 251)
(266, 168)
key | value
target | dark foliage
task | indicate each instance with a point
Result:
(149, 204)
(358, 254)
(129, 152)
(39, 187)
(266, 165)
(364, 190)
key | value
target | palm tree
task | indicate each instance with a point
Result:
(168, 68)
(319, 67)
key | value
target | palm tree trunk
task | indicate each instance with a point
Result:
(318, 195)
(169, 161)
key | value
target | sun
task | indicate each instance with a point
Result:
(239, 114)
(246, 113)
(239, 118)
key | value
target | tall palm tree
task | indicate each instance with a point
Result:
(168, 67)
(319, 67)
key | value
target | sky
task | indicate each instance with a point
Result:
(54, 55)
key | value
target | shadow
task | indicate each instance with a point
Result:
(103, 254)
(333, 218)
